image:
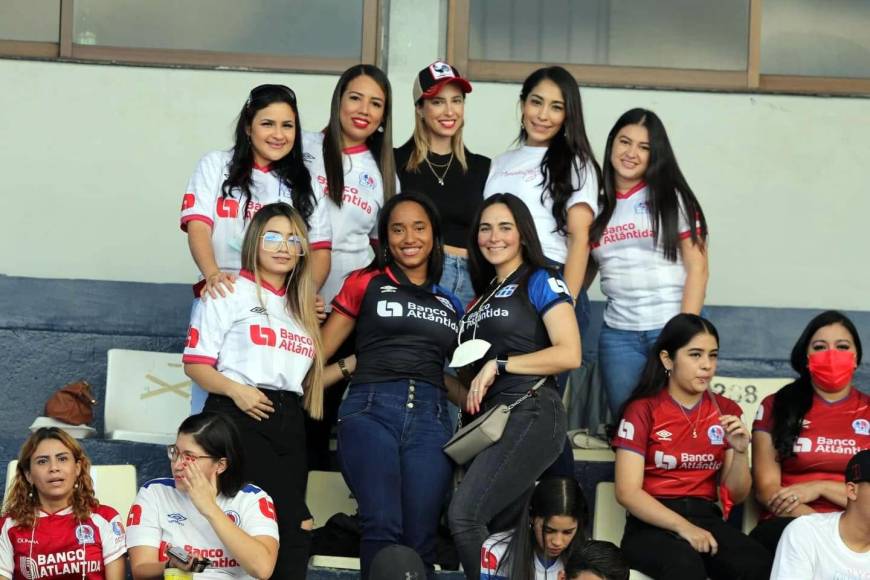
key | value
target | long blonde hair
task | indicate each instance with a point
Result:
(22, 501)
(422, 142)
(300, 293)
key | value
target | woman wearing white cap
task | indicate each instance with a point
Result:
(436, 163)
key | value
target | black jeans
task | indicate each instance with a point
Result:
(500, 479)
(768, 532)
(662, 554)
(274, 451)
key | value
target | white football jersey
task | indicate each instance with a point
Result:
(252, 342)
(227, 216)
(519, 172)
(355, 223)
(495, 566)
(162, 517)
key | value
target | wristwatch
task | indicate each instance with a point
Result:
(501, 364)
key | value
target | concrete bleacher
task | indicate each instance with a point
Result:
(55, 331)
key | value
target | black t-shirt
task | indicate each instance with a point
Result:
(512, 321)
(460, 196)
(403, 331)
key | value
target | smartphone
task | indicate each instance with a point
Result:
(180, 554)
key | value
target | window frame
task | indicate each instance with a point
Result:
(749, 80)
(65, 50)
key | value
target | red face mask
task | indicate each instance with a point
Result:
(832, 369)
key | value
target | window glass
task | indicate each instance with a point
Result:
(35, 20)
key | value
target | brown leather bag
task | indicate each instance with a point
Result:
(73, 404)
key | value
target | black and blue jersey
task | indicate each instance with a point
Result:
(512, 321)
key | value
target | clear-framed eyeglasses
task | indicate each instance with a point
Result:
(173, 454)
(273, 241)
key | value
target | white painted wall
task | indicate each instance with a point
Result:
(95, 158)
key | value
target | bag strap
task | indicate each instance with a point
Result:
(529, 393)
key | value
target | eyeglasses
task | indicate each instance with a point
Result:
(173, 453)
(272, 242)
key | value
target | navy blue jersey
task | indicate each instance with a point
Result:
(512, 321)
(403, 331)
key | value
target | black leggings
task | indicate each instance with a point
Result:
(662, 554)
(274, 451)
(768, 532)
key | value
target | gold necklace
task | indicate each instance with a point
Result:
(697, 419)
(439, 178)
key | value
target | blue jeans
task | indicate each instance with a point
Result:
(389, 445)
(456, 279)
(198, 395)
(501, 478)
(622, 355)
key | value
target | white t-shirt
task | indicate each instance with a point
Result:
(252, 342)
(519, 172)
(203, 201)
(644, 289)
(162, 517)
(355, 223)
(494, 566)
(811, 548)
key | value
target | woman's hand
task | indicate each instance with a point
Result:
(736, 432)
(252, 401)
(320, 308)
(218, 283)
(700, 539)
(481, 383)
(201, 490)
(787, 499)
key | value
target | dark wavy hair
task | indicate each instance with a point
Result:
(380, 142)
(676, 334)
(553, 496)
(792, 402)
(481, 271)
(667, 185)
(569, 152)
(290, 169)
(220, 438)
(383, 256)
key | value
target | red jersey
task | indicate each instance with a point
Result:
(60, 546)
(831, 434)
(676, 464)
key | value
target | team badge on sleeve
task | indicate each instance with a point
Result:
(626, 430)
(558, 286)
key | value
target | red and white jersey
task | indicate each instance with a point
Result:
(227, 216)
(644, 289)
(252, 341)
(162, 517)
(519, 172)
(61, 546)
(675, 463)
(355, 223)
(831, 434)
(495, 564)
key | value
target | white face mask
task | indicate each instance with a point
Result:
(469, 352)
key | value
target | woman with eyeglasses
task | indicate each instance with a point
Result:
(205, 518)
(52, 525)
(258, 353)
(229, 186)
(352, 167)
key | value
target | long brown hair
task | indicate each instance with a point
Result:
(300, 293)
(22, 501)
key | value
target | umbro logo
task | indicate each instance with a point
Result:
(664, 435)
(258, 310)
(307, 157)
(176, 518)
(388, 289)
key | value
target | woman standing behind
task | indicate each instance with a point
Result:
(353, 172)
(555, 173)
(52, 525)
(257, 352)
(394, 421)
(796, 471)
(650, 245)
(228, 187)
(524, 315)
(436, 163)
(676, 444)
